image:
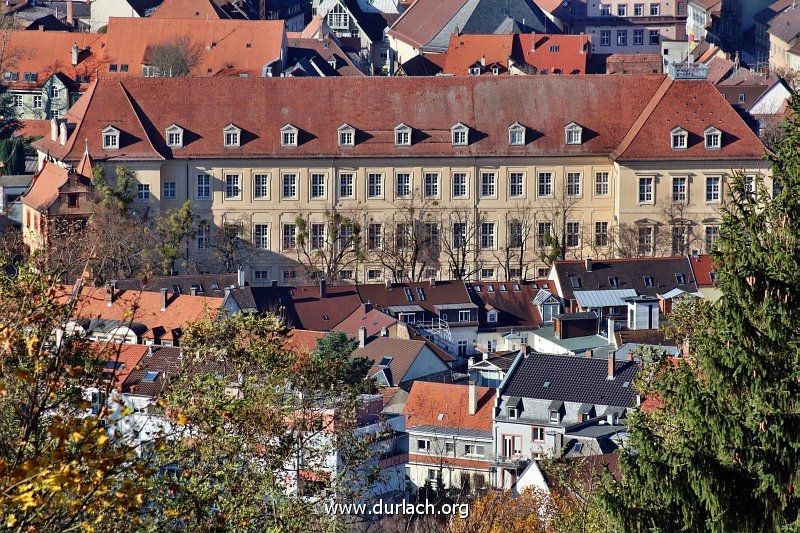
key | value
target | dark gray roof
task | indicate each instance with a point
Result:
(460, 432)
(207, 284)
(573, 379)
(630, 274)
(141, 6)
(16, 180)
(373, 24)
(493, 16)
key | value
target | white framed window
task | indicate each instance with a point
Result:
(601, 183)
(169, 190)
(679, 189)
(537, 434)
(678, 239)
(491, 316)
(464, 316)
(655, 10)
(54, 91)
(142, 192)
(555, 416)
(516, 183)
(424, 445)
(713, 187)
(232, 136)
(646, 189)
(375, 185)
(403, 185)
(622, 37)
(679, 138)
(545, 182)
(574, 133)
(475, 71)
(37, 101)
(459, 184)
(605, 10)
(573, 234)
(203, 235)
(110, 138)
(713, 138)
(646, 240)
(317, 236)
(289, 236)
(347, 185)
(203, 191)
(261, 186)
(622, 10)
(431, 184)
(516, 234)
(573, 183)
(174, 136)
(605, 37)
(289, 186)
(655, 37)
(638, 37)
(402, 135)
(638, 10)
(261, 275)
(516, 134)
(261, 236)
(337, 17)
(474, 449)
(543, 229)
(233, 186)
(16, 100)
(459, 234)
(374, 274)
(460, 135)
(488, 184)
(374, 236)
(317, 185)
(712, 232)
(601, 233)
(347, 135)
(487, 235)
(289, 135)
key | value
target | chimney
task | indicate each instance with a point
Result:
(384, 332)
(610, 333)
(323, 288)
(610, 365)
(62, 133)
(274, 283)
(362, 337)
(164, 299)
(433, 282)
(193, 291)
(75, 51)
(485, 356)
(611, 418)
(70, 18)
(473, 397)
(53, 129)
(366, 307)
(483, 61)
(589, 353)
(111, 288)
(588, 262)
(629, 357)
(240, 277)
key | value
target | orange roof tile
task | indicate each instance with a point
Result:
(33, 128)
(466, 50)
(45, 186)
(127, 356)
(447, 405)
(188, 9)
(568, 53)
(303, 340)
(702, 266)
(141, 307)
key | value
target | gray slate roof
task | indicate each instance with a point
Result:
(573, 379)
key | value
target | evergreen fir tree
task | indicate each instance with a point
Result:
(12, 147)
(722, 452)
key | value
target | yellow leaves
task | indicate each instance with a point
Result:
(11, 520)
(182, 419)
(102, 439)
(32, 345)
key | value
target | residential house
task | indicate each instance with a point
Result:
(293, 13)
(555, 405)
(48, 15)
(449, 431)
(400, 361)
(736, 31)
(57, 197)
(579, 333)
(422, 65)
(763, 98)
(701, 17)
(763, 20)
(633, 26)
(134, 317)
(491, 368)
(361, 27)
(323, 55)
(428, 25)
(366, 323)
(103, 10)
(477, 55)
(448, 143)
(45, 72)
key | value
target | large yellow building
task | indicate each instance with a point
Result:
(478, 176)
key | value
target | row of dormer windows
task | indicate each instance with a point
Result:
(403, 136)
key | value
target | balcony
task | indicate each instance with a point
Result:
(516, 461)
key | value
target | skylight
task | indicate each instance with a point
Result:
(176, 289)
(516, 287)
(477, 288)
(680, 279)
(578, 447)
(575, 281)
(546, 384)
(409, 295)
(150, 377)
(421, 294)
(503, 287)
(626, 384)
(489, 288)
(197, 287)
(613, 281)
(648, 281)
(386, 361)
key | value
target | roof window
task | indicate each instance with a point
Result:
(574, 133)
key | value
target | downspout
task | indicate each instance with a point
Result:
(476, 214)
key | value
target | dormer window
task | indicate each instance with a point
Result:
(110, 138)
(232, 136)
(474, 71)
(516, 134)
(347, 135)
(680, 138)
(574, 133)
(491, 316)
(495, 70)
(460, 134)
(713, 138)
(402, 135)
(175, 136)
(288, 135)
(555, 416)
(513, 413)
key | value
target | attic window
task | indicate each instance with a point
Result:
(110, 138)
(491, 317)
(176, 289)
(516, 134)
(409, 295)
(680, 138)
(347, 135)
(31, 77)
(546, 384)
(648, 281)
(214, 286)
(713, 138)
(123, 67)
(554, 416)
(512, 412)
(613, 281)
(574, 133)
(386, 361)
(460, 134)
(197, 288)
(421, 294)
(402, 135)
(516, 287)
(232, 136)
(150, 377)
(288, 135)
(503, 287)
(112, 67)
(554, 48)
(490, 288)
(175, 136)
(680, 279)
(495, 70)
(474, 71)
(477, 288)
(575, 281)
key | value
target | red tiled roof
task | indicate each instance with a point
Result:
(327, 48)
(633, 64)
(33, 128)
(465, 50)
(244, 45)
(143, 307)
(402, 351)
(374, 320)
(443, 292)
(570, 56)
(447, 405)
(432, 105)
(424, 19)
(323, 314)
(302, 340)
(702, 266)
(515, 307)
(49, 53)
(45, 186)
(188, 9)
(127, 356)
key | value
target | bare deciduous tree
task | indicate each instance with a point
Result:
(328, 247)
(175, 58)
(461, 241)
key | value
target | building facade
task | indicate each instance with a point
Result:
(437, 163)
(634, 26)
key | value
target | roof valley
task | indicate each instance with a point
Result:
(642, 118)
